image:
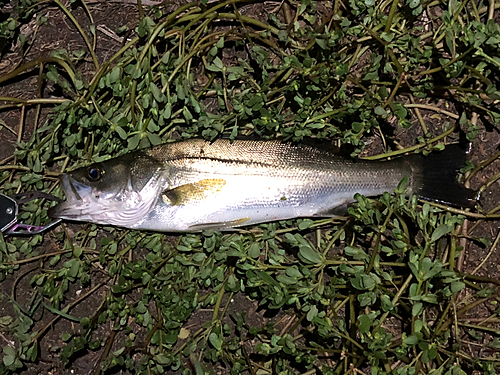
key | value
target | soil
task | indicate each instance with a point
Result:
(59, 33)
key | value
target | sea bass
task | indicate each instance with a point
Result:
(196, 185)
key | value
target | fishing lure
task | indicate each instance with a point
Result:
(9, 210)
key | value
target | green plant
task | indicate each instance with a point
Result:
(379, 291)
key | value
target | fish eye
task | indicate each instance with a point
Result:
(94, 174)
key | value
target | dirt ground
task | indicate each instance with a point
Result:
(59, 32)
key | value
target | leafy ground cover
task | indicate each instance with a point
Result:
(400, 287)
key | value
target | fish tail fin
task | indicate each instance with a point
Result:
(435, 177)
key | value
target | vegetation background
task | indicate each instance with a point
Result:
(401, 287)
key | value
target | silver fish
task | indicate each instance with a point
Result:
(195, 185)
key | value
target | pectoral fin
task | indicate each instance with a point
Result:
(195, 192)
(223, 225)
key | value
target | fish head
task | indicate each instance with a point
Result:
(119, 191)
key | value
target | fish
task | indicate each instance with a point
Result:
(195, 185)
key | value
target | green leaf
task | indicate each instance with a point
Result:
(294, 272)
(417, 309)
(53, 75)
(399, 110)
(5, 320)
(310, 255)
(440, 231)
(216, 66)
(254, 250)
(495, 343)
(75, 267)
(364, 282)
(66, 336)
(312, 313)
(215, 341)
(77, 252)
(121, 133)
(157, 94)
(141, 308)
(364, 323)
(168, 111)
(411, 340)
(162, 359)
(380, 111)
(187, 114)
(266, 278)
(356, 253)
(155, 139)
(305, 223)
(457, 286)
(285, 279)
(9, 355)
(386, 302)
(133, 142)
(114, 75)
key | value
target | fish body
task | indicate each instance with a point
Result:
(195, 185)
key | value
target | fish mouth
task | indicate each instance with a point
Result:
(78, 197)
